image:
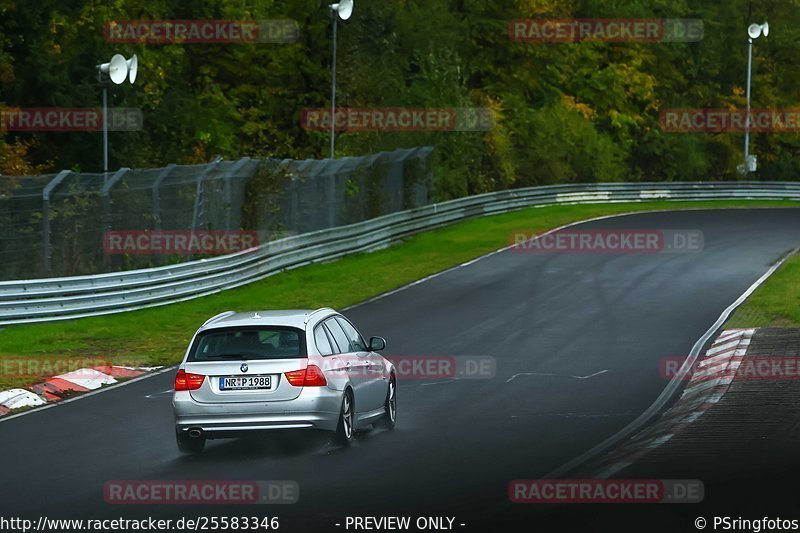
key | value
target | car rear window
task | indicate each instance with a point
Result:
(321, 338)
(249, 343)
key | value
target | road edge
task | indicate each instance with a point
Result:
(673, 387)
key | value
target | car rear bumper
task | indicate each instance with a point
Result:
(314, 408)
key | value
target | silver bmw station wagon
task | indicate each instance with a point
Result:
(246, 372)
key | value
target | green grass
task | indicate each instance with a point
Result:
(776, 303)
(159, 336)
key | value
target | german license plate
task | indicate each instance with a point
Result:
(245, 383)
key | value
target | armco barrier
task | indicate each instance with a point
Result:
(39, 300)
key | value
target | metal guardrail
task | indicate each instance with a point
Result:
(40, 300)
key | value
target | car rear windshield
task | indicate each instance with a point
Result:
(249, 343)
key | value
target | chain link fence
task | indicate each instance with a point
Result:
(56, 225)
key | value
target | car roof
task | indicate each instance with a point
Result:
(297, 318)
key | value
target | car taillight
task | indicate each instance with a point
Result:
(314, 377)
(187, 381)
(311, 376)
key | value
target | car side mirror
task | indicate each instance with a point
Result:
(377, 344)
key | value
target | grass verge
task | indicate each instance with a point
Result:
(776, 303)
(158, 336)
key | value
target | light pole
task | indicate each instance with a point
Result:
(341, 10)
(117, 69)
(754, 31)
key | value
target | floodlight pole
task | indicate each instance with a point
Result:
(104, 86)
(112, 68)
(747, 117)
(335, 16)
(105, 134)
(754, 31)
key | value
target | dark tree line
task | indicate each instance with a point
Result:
(563, 112)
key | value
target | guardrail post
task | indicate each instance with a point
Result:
(48, 190)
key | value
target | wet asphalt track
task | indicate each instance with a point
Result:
(553, 320)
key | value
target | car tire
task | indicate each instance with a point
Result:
(389, 419)
(345, 430)
(187, 444)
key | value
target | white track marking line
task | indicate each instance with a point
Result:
(694, 388)
(720, 358)
(726, 336)
(722, 348)
(159, 394)
(509, 380)
(439, 382)
(658, 441)
(722, 369)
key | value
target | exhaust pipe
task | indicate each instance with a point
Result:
(195, 433)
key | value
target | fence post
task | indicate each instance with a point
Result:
(55, 182)
(156, 187)
(226, 189)
(197, 212)
(106, 196)
(294, 207)
(334, 168)
(156, 198)
(107, 205)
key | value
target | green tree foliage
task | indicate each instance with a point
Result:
(564, 112)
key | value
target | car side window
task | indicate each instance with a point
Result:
(356, 342)
(321, 340)
(339, 336)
